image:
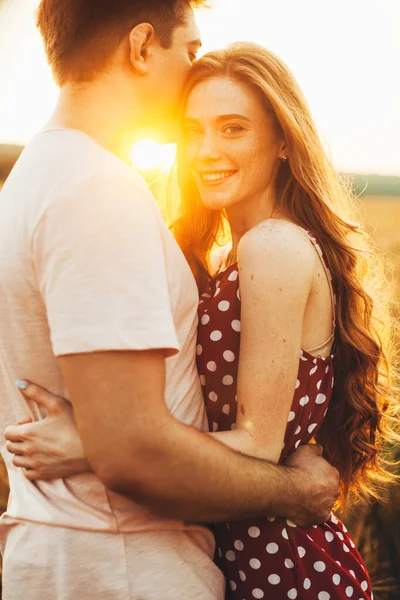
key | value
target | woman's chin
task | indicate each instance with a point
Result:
(216, 203)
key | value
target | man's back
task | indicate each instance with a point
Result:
(53, 302)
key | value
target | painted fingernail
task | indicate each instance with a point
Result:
(21, 384)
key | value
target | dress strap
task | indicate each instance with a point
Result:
(321, 256)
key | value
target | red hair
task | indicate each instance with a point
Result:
(363, 413)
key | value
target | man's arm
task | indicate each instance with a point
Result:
(138, 449)
(101, 269)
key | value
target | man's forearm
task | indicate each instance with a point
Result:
(140, 450)
(190, 476)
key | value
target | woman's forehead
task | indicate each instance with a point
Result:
(220, 96)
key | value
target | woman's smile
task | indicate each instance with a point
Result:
(215, 177)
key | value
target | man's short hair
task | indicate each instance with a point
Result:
(80, 36)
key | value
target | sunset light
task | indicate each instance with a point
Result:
(221, 179)
(347, 70)
(148, 154)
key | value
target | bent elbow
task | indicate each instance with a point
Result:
(109, 476)
(136, 479)
(115, 475)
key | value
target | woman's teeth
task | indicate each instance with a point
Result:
(216, 176)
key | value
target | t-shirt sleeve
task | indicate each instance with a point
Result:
(101, 269)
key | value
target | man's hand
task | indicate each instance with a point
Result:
(50, 448)
(318, 484)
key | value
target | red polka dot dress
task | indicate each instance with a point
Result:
(272, 558)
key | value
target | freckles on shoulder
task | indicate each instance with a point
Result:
(276, 247)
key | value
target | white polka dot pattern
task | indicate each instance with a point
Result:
(319, 566)
(254, 532)
(223, 305)
(239, 545)
(274, 579)
(301, 551)
(289, 564)
(255, 563)
(215, 336)
(236, 325)
(272, 558)
(227, 380)
(205, 319)
(228, 356)
(307, 584)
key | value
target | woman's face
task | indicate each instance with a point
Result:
(232, 144)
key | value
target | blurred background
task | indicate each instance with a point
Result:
(345, 55)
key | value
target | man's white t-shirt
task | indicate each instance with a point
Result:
(87, 264)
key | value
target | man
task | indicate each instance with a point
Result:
(98, 304)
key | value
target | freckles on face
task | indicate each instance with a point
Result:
(231, 142)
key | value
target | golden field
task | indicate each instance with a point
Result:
(382, 219)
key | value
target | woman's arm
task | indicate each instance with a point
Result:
(276, 266)
(50, 448)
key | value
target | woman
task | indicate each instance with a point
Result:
(301, 317)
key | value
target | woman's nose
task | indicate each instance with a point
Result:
(208, 147)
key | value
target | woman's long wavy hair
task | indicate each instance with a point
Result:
(362, 417)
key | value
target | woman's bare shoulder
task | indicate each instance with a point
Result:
(285, 244)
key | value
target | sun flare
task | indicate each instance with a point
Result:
(148, 154)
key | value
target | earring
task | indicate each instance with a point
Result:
(284, 158)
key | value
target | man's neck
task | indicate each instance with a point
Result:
(103, 110)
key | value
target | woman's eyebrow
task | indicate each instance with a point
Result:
(219, 118)
(231, 116)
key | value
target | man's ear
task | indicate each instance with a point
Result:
(140, 48)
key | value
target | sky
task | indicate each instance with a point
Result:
(344, 53)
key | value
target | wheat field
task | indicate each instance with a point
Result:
(382, 219)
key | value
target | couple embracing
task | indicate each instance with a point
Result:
(164, 450)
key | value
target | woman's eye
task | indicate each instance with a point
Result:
(233, 129)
